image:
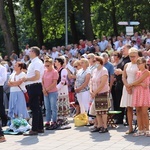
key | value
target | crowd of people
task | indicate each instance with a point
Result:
(116, 68)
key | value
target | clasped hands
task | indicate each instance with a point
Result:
(45, 92)
(130, 86)
(93, 94)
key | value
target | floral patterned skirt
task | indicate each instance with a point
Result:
(63, 104)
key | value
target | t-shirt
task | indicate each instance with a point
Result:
(14, 77)
(48, 78)
(96, 80)
(80, 78)
(110, 69)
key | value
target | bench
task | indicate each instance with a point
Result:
(110, 119)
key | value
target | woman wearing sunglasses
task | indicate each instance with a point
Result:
(49, 83)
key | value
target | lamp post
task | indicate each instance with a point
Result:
(66, 23)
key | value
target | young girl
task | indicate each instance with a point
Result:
(141, 97)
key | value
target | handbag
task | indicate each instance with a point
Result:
(102, 102)
(26, 96)
(81, 120)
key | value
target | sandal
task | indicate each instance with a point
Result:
(138, 133)
(130, 132)
(147, 133)
(103, 130)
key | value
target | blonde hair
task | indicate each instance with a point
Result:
(77, 62)
(133, 50)
(48, 60)
(85, 61)
(91, 55)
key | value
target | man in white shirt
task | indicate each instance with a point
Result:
(3, 78)
(34, 88)
(103, 44)
(55, 53)
(27, 50)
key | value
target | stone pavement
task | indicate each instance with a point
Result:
(77, 138)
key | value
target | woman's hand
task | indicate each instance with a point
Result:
(144, 85)
(129, 90)
(45, 92)
(118, 71)
(77, 90)
(92, 95)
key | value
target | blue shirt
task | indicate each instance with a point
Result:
(110, 69)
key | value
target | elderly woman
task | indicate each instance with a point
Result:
(99, 85)
(77, 66)
(92, 62)
(82, 85)
(49, 82)
(17, 103)
(115, 59)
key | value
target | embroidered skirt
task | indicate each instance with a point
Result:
(63, 102)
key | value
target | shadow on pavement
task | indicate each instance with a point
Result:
(30, 140)
(140, 140)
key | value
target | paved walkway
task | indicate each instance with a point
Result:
(77, 139)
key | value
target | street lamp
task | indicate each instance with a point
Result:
(66, 23)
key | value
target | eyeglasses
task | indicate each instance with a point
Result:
(115, 55)
(46, 65)
(88, 58)
(75, 66)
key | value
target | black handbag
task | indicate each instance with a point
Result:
(102, 102)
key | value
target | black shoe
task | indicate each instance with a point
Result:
(30, 133)
(126, 124)
(46, 125)
(95, 129)
(52, 127)
(103, 130)
(41, 131)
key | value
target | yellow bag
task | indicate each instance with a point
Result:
(81, 120)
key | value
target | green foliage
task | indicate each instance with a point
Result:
(128, 10)
(103, 13)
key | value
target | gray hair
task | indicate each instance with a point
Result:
(104, 55)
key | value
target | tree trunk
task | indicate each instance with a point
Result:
(38, 18)
(5, 29)
(113, 14)
(13, 27)
(87, 20)
(72, 23)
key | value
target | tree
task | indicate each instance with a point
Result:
(13, 26)
(38, 18)
(5, 29)
(72, 19)
(87, 19)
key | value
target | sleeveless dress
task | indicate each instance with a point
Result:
(126, 99)
(141, 95)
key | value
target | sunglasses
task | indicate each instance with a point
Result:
(88, 58)
(75, 66)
